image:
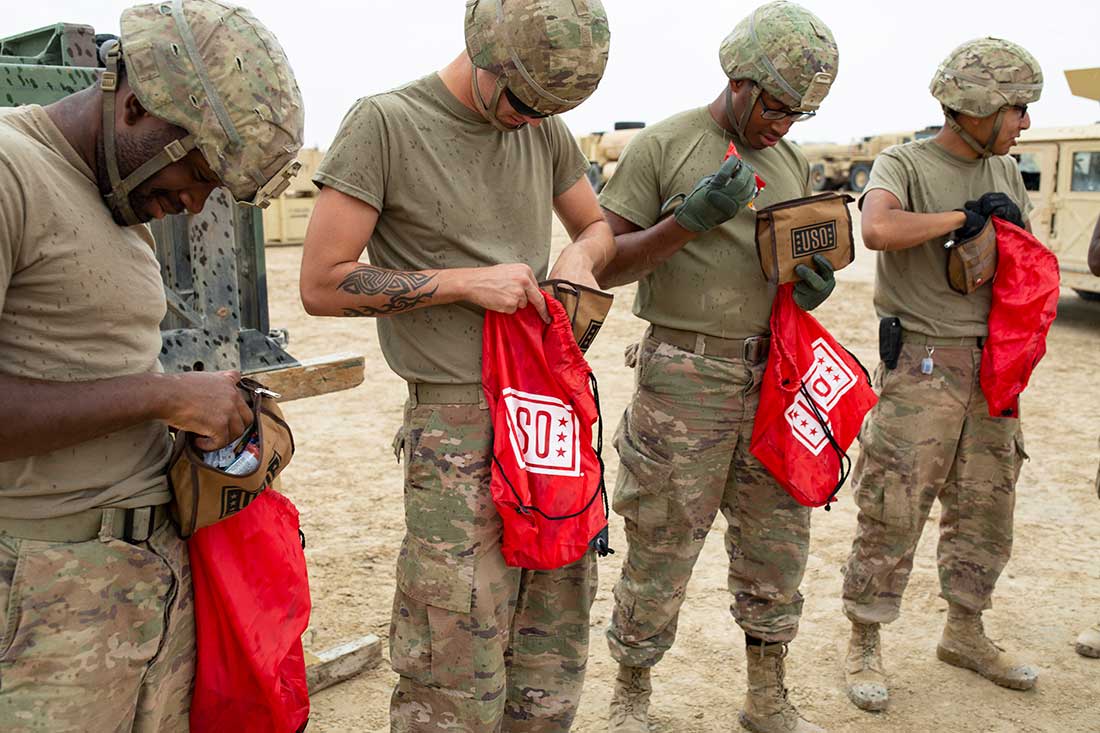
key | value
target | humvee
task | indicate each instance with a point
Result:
(1061, 170)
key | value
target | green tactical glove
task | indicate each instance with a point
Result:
(814, 287)
(717, 198)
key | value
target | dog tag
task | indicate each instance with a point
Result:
(926, 363)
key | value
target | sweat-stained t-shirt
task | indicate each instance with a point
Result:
(81, 299)
(451, 191)
(911, 284)
(714, 285)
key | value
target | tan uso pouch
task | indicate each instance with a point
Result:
(587, 308)
(972, 262)
(791, 233)
(202, 494)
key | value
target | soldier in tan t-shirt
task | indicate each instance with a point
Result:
(450, 184)
(684, 441)
(930, 436)
(96, 617)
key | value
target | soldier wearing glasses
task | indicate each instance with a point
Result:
(684, 440)
(450, 183)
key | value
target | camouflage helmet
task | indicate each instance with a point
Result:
(214, 70)
(981, 76)
(786, 50)
(550, 54)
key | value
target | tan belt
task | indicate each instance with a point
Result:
(131, 525)
(912, 337)
(422, 393)
(754, 349)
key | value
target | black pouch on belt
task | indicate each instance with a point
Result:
(889, 341)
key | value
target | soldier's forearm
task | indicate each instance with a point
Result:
(896, 229)
(361, 290)
(638, 253)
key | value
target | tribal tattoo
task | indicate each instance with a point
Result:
(400, 286)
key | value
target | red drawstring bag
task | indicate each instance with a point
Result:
(251, 609)
(1025, 303)
(812, 403)
(547, 480)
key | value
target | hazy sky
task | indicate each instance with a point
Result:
(664, 54)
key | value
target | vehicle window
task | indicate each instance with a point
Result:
(1086, 171)
(1030, 170)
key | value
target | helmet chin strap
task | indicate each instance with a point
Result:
(741, 124)
(119, 197)
(489, 111)
(983, 151)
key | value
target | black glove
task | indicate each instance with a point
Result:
(999, 205)
(975, 223)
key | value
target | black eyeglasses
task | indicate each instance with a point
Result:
(780, 113)
(521, 108)
(1022, 109)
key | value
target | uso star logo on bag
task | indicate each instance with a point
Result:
(826, 381)
(544, 433)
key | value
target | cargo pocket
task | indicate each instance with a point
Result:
(432, 637)
(883, 492)
(640, 492)
(1020, 455)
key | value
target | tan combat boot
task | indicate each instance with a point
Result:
(863, 672)
(964, 644)
(767, 709)
(629, 710)
(1088, 643)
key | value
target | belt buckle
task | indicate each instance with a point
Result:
(138, 524)
(752, 348)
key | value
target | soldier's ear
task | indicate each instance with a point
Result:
(132, 108)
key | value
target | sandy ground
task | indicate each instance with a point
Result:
(348, 487)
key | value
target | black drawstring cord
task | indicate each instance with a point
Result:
(841, 454)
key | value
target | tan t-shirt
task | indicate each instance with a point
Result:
(80, 299)
(713, 285)
(452, 191)
(911, 284)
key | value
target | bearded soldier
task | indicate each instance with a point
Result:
(684, 440)
(97, 631)
(450, 183)
(931, 436)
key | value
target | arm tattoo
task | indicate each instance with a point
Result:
(401, 288)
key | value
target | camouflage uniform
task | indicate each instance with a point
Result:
(932, 437)
(97, 635)
(98, 632)
(684, 449)
(480, 646)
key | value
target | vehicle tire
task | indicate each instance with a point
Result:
(629, 125)
(858, 176)
(1088, 295)
(818, 181)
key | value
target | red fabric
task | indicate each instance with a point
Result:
(1025, 303)
(537, 383)
(787, 437)
(251, 609)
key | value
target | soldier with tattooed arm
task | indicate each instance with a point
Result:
(450, 184)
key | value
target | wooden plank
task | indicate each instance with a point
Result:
(313, 377)
(342, 662)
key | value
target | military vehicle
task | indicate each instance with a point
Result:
(834, 165)
(603, 150)
(1061, 170)
(217, 295)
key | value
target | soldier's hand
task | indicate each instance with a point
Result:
(815, 286)
(975, 223)
(999, 205)
(716, 199)
(505, 289)
(208, 404)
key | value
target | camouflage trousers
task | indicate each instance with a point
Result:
(97, 636)
(684, 455)
(480, 647)
(929, 437)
